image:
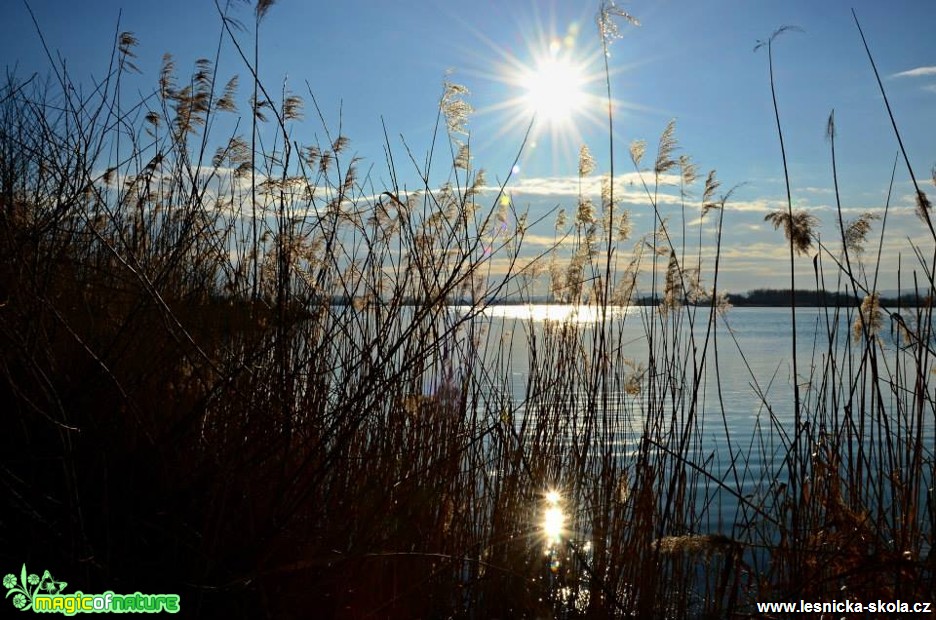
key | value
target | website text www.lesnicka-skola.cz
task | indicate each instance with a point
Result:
(845, 607)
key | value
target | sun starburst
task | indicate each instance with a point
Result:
(549, 90)
(555, 84)
(551, 80)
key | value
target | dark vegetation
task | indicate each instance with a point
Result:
(820, 298)
(186, 410)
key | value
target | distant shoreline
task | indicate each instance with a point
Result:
(758, 298)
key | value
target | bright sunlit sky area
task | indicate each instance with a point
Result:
(371, 64)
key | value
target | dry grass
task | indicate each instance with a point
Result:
(238, 376)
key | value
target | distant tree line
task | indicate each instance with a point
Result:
(804, 297)
(757, 297)
(781, 297)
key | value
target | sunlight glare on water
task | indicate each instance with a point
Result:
(560, 313)
(553, 518)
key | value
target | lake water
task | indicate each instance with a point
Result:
(745, 396)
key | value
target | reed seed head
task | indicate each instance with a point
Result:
(664, 160)
(711, 186)
(586, 162)
(637, 150)
(798, 229)
(455, 108)
(608, 29)
(263, 6)
(687, 170)
(857, 231)
(923, 206)
(869, 319)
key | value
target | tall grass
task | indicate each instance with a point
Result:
(237, 369)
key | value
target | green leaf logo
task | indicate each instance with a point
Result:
(28, 585)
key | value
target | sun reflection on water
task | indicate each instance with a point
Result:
(566, 561)
(554, 519)
(559, 313)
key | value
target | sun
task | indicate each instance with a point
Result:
(554, 89)
(549, 91)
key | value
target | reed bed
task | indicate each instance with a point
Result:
(235, 369)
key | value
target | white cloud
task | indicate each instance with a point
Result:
(541, 241)
(815, 190)
(590, 186)
(760, 205)
(918, 72)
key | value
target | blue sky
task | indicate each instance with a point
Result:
(688, 60)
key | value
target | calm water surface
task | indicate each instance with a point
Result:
(754, 374)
